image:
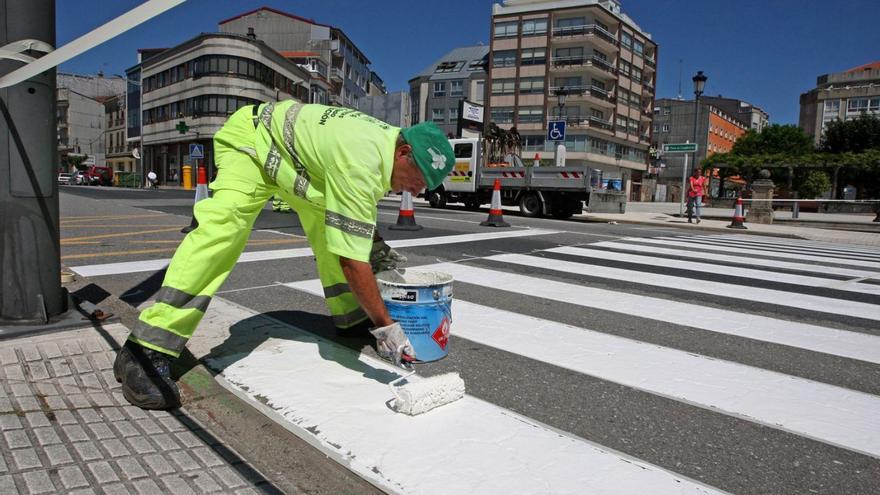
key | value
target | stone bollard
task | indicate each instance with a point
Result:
(761, 209)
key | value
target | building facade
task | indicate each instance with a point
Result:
(118, 150)
(597, 56)
(436, 92)
(80, 117)
(341, 70)
(751, 115)
(840, 96)
(199, 84)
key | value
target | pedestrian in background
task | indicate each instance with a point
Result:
(695, 191)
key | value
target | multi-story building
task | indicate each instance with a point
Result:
(841, 95)
(751, 115)
(118, 151)
(80, 116)
(597, 56)
(717, 131)
(436, 92)
(198, 84)
(342, 71)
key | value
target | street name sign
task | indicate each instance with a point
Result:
(680, 148)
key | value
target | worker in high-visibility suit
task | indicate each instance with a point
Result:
(332, 165)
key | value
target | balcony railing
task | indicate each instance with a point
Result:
(584, 121)
(586, 30)
(650, 63)
(584, 90)
(584, 61)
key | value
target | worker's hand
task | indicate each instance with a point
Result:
(382, 257)
(394, 345)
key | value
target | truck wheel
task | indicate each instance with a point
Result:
(562, 213)
(530, 205)
(437, 198)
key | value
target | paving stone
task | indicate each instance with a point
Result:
(90, 380)
(9, 422)
(208, 457)
(21, 389)
(165, 442)
(158, 464)
(118, 398)
(65, 418)
(37, 419)
(103, 472)
(7, 356)
(133, 412)
(110, 382)
(115, 489)
(141, 445)
(75, 433)
(115, 448)
(103, 361)
(101, 431)
(16, 439)
(246, 491)
(5, 405)
(83, 491)
(46, 389)
(70, 347)
(125, 429)
(38, 482)
(228, 476)
(204, 481)
(80, 363)
(149, 426)
(50, 350)
(7, 484)
(26, 459)
(176, 485)
(55, 403)
(90, 415)
(93, 345)
(3, 467)
(112, 413)
(72, 477)
(147, 487)
(158, 413)
(58, 454)
(47, 436)
(28, 404)
(101, 399)
(188, 439)
(60, 367)
(88, 451)
(172, 424)
(38, 371)
(30, 352)
(14, 372)
(131, 468)
(184, 460)
(79, 401)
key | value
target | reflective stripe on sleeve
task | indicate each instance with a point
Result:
(182, 300)
(158, 337)
(349, 319)
(273, 162)
(349, 225)
(336, 290)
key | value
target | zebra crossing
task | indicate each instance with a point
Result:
(758, 353)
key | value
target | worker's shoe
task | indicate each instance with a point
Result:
(145, 375)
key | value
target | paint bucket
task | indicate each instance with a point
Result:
(421, 301)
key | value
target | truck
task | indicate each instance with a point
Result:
(538, 191)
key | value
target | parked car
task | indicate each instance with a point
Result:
(100, 176)
(65, 178)
(79, 178)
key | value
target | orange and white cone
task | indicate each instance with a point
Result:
(406, 219)
(496, 218)
(201, 193)
(737, 222)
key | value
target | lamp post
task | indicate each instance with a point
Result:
(699, 84)
(561, 93)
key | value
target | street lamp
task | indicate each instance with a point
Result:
(699, 85)
(561, 93)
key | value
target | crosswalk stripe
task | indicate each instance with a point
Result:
(823, 412)
(756, 294)
(336, 400)
(719, 269)
(675, 242)
(277, 254)
(743, 260)
(779, 249)
(783, 242)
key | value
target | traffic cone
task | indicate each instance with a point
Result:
(737, 222)
(406, 219)
(537, 162)
(201, 193)
(495, 214)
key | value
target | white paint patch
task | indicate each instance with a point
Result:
(782, 242)
(337, 401)
(268, 255)
(675, 242)
(823, 412)
(718, 269)
(795, 249)
(743, 260)
(756, 294)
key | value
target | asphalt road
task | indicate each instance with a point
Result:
(749, 364)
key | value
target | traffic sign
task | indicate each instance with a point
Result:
(680, 148)
(556, 130)
(196, 151)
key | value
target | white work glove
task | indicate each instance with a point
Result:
(394, 345)
(382, 257)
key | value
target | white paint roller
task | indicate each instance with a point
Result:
(417, 397)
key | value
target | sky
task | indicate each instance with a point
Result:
(766, 52)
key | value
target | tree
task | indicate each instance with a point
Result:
(857, 135)
(813, 183)
(775, 139)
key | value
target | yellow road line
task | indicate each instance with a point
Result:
(112, 217)
(116, 253)
(121, 234)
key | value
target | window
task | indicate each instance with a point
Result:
(463, 150)
(502, 115)
(531, 115)
(625, 68)
(456, 88)
(531, 85)
(534, 27)
(599, 114)
(504, 58)
(639, 48)
(503, 86)
(533, 143)
(480, 92)
(667, 110)
(569, 56)
(665, 127)
(597, 84)
(857, 105)
(437, 115)
(570, 25)
(569, 82)
(534, 56)
(477, 65)
(439, 89)
(453, 114)
(506, 29)
(633, 126)
(656, 127)
(623, 96)
(626, 40)
(450, 66)
(636, 74)
(621, 123)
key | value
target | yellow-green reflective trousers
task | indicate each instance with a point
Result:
(207, 254)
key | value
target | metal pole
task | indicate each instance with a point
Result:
(683, 180)
(30, 267)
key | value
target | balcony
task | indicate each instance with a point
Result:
(650, 63)
(335, 49)
(592, 64)
(648, 88)
(585, 121)
(589, 94)
(336, 74)
(587, 31)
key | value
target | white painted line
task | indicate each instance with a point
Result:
(756, 294)
(823, 412)
(731, 271)
(745, 260)
(444, 219)
(785, 250)
(336, 400)
(675, 242)
(779, 241)
(277, 254)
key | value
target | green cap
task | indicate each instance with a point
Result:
(431, 151)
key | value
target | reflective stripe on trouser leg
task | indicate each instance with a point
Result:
(205, 257)
(343, 305)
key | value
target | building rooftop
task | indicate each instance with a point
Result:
(869, 66)
(457, 64)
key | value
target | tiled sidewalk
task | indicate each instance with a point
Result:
(67, 429)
